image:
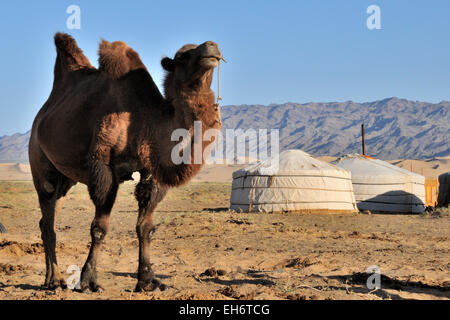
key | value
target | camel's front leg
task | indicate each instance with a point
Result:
(148, 193)
(103, 190)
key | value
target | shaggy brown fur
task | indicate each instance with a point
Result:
(99, 126)
(117, 59)
(71, 56)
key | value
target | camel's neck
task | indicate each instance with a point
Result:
(189, 116)
(195, 107)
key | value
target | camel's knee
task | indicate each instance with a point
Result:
(145, 229)
(99, 229)
(98, 234)
(149, 194)
(143, 193)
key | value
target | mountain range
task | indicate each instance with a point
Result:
(395, 128)
(14, 148)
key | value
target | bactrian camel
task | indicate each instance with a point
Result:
(100, 125)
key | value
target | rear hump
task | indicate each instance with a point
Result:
(117, 59)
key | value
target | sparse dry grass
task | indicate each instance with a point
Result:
(278, 256)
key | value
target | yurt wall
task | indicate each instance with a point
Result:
(382, 187)
(297, 183)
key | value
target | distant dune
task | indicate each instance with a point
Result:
(15, 171)
(218, 173)
(431, 168)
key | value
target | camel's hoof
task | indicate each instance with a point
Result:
(59, 284)
(150, 285)
(88, 287)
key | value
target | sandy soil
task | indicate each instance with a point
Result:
(254, 256)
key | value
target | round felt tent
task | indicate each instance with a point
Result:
(382, 187)
(292, 182)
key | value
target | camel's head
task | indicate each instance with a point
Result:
(192, 67)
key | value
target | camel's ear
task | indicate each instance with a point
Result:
(168, 64)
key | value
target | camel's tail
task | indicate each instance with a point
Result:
(69, 57)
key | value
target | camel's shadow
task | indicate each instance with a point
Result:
(357, 283)
(256, 277)
(263, 282)
(23, 286)
(218, 209)
(134, 275)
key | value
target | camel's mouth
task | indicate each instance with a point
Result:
(213, 57)
(210, 61)
(209, 55)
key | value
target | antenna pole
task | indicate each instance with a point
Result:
(363, 140)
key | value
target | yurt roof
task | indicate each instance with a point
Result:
(291, 163)
(368, 170)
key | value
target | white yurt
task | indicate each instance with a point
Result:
(292, 182)
(382, 187)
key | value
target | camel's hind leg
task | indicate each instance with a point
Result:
(51, 187)
(148, 193)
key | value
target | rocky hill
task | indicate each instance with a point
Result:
(395, 128)
(14, 148)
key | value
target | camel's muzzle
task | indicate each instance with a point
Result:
(209, 54)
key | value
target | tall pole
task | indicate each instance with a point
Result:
(363, 140)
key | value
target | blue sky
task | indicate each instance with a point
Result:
(277, 51)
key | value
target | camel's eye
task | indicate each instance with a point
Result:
(185, 56)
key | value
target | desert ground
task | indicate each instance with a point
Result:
(201, 250)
